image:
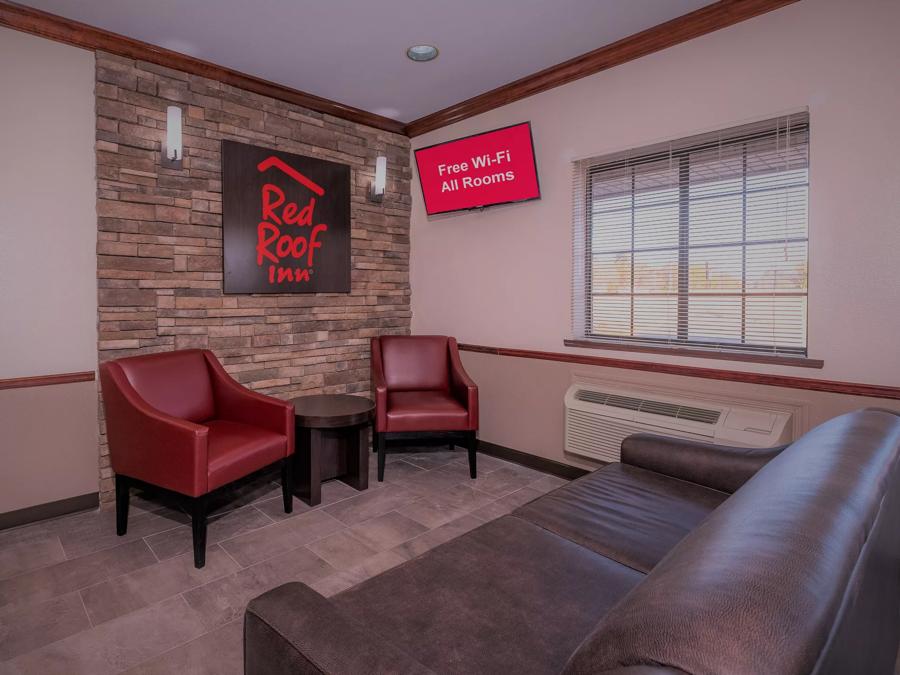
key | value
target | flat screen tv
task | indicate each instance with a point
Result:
(494, 167)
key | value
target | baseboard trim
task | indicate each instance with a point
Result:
(61, 507)
(543, 464)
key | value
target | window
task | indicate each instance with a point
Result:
(700, 242)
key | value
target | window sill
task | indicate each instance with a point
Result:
(794, 361)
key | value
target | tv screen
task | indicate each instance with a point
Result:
(494, 167)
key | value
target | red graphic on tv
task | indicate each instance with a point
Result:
(495, 167)
(278, 245)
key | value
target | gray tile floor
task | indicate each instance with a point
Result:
(75, 598)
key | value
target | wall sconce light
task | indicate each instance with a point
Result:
(173, 152)
(376, 189)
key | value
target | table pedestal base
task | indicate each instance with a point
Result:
(324, 454)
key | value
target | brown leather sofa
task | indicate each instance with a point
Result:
(683, 558)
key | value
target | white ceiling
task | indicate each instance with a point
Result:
(353, 51)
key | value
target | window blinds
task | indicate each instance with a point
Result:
(698, 242)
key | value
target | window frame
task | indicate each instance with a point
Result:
(682, 343)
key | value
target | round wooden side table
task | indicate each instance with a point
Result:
(332, 441)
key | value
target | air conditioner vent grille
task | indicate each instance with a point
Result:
(699, 415)
(673, 410)
(589, 396)
(626, 402)
(659, 408)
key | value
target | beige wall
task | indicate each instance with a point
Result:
(48, 288)
(502, 276)
(49, 444)
(48, 224)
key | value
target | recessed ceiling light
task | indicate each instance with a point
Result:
(422, 52)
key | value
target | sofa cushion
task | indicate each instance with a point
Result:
(762, 584)
(631, 515)
(236, 450)
(432, 410)
(508, 597)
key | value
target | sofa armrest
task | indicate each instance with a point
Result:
(237, 403)
(148, 444)
(463, 387)
(379, 386)
(294, 630)
(719, 467)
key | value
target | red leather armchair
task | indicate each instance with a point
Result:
(420, 388)
(178, 421)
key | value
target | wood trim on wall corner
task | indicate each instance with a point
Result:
(67, 31)
(786, 381)
(47, 380)
(680, 29)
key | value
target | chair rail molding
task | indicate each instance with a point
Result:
(786, 381)
(47, 380)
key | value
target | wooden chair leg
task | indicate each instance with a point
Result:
(287, 483)
(123, 489)
(471, 445)
(198, 527)
(379, 443)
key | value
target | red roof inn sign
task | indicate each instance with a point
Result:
(285, 221)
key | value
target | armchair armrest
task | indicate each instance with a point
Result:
(379, 386)
(239, 404)
(148, 444)
(463, 387)
(719, 467)
(292, 629)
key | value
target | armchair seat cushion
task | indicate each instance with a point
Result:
(236, 450)
(432, 410)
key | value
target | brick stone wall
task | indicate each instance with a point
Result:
(159, 248)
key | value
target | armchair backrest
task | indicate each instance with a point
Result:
(177, 383)
(415, 362)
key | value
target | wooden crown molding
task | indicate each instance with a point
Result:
(786, 381)
(60, 29)
(681, 29)
(700, 22)
(47, 380)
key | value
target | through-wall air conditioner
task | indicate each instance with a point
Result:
(598, 418)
